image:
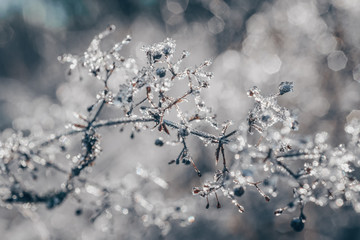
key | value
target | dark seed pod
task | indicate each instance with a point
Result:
(286, 87)
(90, 108)
(161, 72)
(166, 50)
(239, 191)
(157, 55)
(159, 142)
(78, 212)
(265, 118)
(297, 224)
(186, 161)
(63, 148)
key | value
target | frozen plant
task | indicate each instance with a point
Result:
(264, 150)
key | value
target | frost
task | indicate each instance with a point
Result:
(267, 112)
(286, 87)
(156, 51)
(164, 97)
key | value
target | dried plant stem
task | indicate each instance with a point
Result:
(125, 120)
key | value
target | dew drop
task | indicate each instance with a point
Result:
(191, 219)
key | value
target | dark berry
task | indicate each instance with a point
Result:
(78, 212)
(265, 118)
(90, 108)
(266, 182)
(166, 50)
(159, 142)
(157, 55)
(297, 224)
(295, 125)
(239, 191)
(247, 173)
(184, 132)
(186, 161)
(161, 72)
(63, 148)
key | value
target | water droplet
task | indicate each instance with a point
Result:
(191, 219)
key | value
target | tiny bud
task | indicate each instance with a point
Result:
(79, 125)
(183, 132)
(196, 190)
(148, 90)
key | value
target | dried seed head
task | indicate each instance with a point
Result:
(157, 55)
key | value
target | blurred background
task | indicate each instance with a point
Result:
(314, 43)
